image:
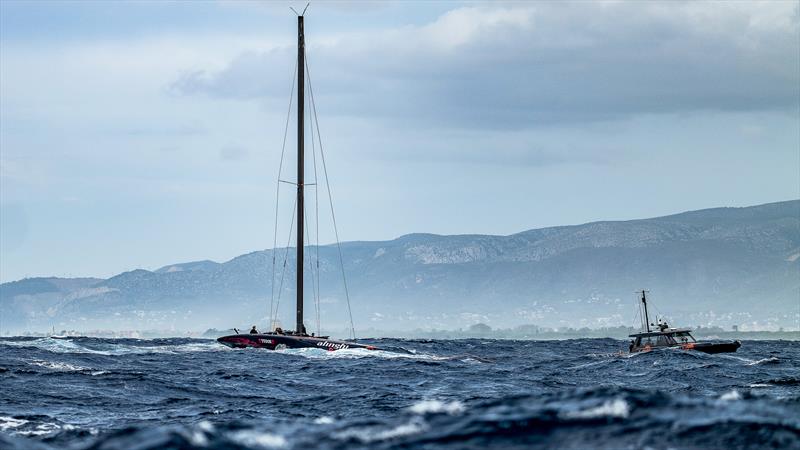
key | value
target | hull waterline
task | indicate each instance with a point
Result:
(715, 347)
(271, 341)
(705, 347)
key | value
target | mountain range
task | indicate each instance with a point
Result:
(720, 266)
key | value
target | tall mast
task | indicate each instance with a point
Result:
(646, 318)
(301, 64)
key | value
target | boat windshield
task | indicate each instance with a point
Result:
(652, 341)
(665, 340)
(683, 337)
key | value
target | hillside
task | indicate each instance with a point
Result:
(720, 266)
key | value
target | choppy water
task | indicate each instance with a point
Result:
(184, 393)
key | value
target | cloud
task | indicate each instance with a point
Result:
(184, 129)
(525, 65)
(232, 153)
(243, 78)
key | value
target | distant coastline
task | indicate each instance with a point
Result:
(478, 331)
(721, 267)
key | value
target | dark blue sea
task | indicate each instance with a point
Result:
(91, 393)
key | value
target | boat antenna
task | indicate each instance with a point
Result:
(644, 302)
(301, 53)
(304, 10)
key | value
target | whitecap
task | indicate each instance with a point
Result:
(401, 430)
(205, 426)
(52, 345)
(252, 438)
(437, 406)
(41, 429)
(113, 348)
(324, 420)
(198, 437)
(13, 426)
(762, 361)
(357, 353)
(366, 436)
(9, 423)
(593, 363)
(58, 366)
(48, 428)
(731, 396)
(609, 408)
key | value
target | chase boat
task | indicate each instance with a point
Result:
(673, 337)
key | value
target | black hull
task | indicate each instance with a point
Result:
(705, 347)
(717, 347)
(281, 341)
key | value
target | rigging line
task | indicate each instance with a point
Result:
(316, 218)
(638, 313)
(314, 288)
(308, 240)
(653, 309)
(330, 199)
(278, 196)
(285, 259)
(314, 279)
(657, 311)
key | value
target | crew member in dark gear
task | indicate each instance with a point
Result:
(253, 330)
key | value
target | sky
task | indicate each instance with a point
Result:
(141, 134)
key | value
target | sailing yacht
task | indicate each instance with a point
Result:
(277, 338)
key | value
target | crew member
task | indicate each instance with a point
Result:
(253, 330)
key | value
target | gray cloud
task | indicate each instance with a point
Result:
(522, 66)
(250, 75)
(185, 129)
(232, 153)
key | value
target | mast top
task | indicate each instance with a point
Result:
(644, 302)
(304, 10)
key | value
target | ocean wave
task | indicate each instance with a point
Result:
(58, 366)
(32, 426)
(187, 393)
(731, 396)
(114, 347)
(361, 353)
(787, 381)
(582, 418)
(610, 408)
(437, 406)
(257, 439)
(10, 423)
(771, 360)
